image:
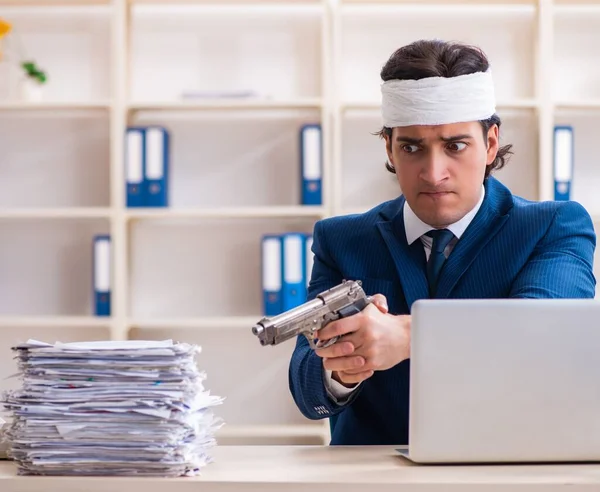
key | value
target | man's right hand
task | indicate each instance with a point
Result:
(347, 368)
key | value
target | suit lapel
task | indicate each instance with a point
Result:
(490, 218)
(408, 259)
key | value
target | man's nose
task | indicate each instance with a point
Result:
(435, 168)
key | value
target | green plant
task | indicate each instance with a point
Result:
(34, 72)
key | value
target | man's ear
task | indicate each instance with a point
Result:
(388, 149)
(492, 144)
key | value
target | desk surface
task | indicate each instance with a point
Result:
(300, 468)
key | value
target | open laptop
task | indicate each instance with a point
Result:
(506, 380)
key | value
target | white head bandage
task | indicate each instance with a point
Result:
(438, 100)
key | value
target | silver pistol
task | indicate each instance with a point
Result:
(340, 301)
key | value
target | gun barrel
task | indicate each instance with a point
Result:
(257, 330)
(310, 316)
(274, 329)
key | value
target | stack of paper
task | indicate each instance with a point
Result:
(110, 408)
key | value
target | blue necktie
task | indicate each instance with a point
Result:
(441, 238)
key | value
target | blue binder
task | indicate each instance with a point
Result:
(134, 166)
(563, 162)
(157, 166)
(294, 270)
(272, 274)
(102, 275)
(311, 164)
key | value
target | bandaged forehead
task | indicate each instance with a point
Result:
(438, 100)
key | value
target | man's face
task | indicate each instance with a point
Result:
(441, 168)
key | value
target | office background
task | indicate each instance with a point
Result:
(233, 84)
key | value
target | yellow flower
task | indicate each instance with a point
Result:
(5, 28)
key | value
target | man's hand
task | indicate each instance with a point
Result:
(372, 340)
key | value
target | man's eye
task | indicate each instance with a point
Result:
(457, 146)
(410, 149)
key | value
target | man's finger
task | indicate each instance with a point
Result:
(340, 327)
(355, 339)
(362, 368)
(338, 349)
(354, 378)
(381, 302)
(343, 363)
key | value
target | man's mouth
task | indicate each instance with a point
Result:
(436, 193)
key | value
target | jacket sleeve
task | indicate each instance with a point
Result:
(561, 265)
(306, 372)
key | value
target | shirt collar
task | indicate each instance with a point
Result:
(415, 227)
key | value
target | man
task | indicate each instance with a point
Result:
(455, 232)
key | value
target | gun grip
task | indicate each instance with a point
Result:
(352, 309)
(355, 308)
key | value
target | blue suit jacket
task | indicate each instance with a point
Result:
(512, 248)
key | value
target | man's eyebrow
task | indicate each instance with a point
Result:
(414, 141)
(418, 141)
(453, 138)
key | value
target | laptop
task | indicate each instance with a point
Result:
(504, 381)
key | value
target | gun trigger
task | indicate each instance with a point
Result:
(311, 342)
(328, 343)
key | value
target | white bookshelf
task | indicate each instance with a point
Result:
(192, 272)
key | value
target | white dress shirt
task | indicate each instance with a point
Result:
(415, 229)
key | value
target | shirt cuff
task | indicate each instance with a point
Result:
(337, 391)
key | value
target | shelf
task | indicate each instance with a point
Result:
(236, 163)
(55, 213)
(47, 269)
(52, 3)
(276, 53)
(236, 323)
(471, 7)
(586, 173)
(441, 2)
(228, 7)
(200, 268)
(226, 213)
(226, 2)
(591, 104)
(72, 43)
(54, 10)
(53, 106)
(578, 8)
(226, 104)
(54, 321)
(363, 180)
(55, 165)
(575, 57)
(237, 79)
(507, 34)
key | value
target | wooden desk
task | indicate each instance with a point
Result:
(322, 468)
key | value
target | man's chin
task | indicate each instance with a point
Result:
(440, 218)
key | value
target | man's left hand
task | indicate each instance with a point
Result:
(382, 339)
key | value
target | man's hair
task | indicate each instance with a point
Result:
(435, 58)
